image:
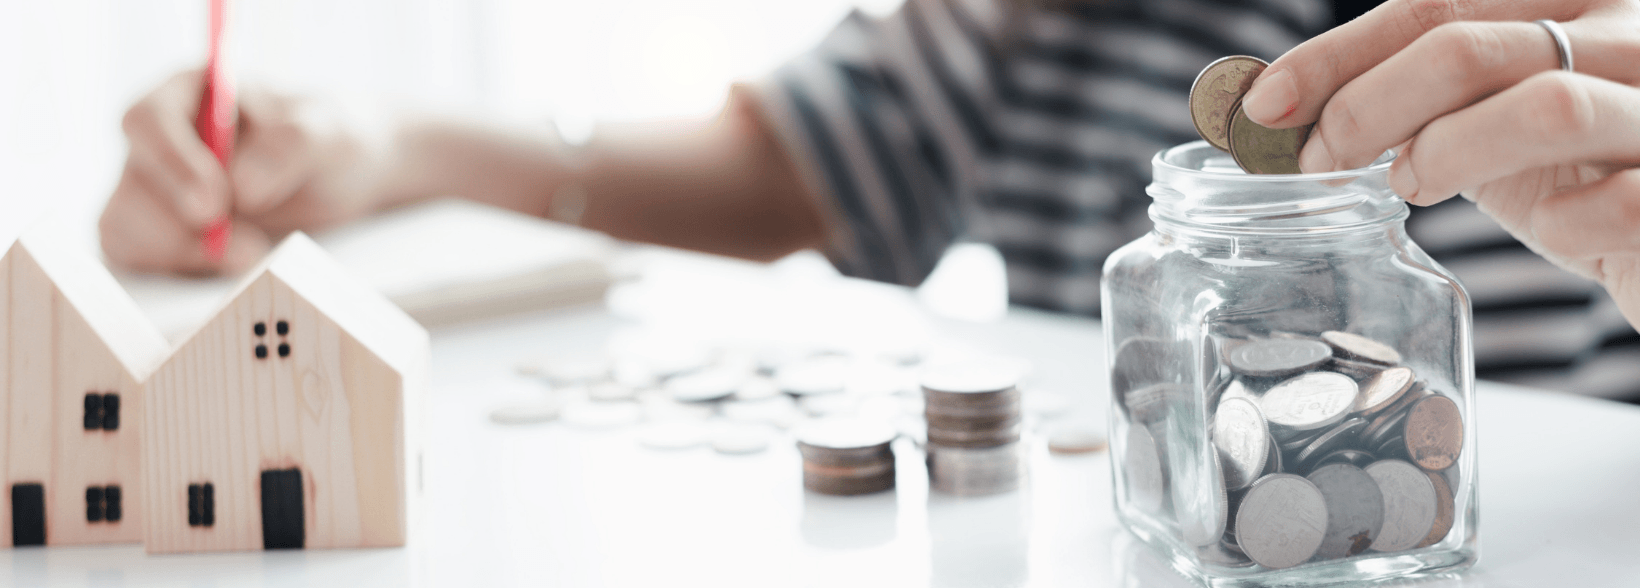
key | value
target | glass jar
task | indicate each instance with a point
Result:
(1292, 382)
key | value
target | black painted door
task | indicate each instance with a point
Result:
(282, 515)
(28, 514)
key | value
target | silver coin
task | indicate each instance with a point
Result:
(1382, 390)
(706, 385)
(1278, 357)
(1355, 509)
(1310, 401)
(1391, 448)
(1150, 404)
(1354, 457)
(1282, 521)
(1200, 502)
(1334, 439)
(1298, 443)
(1360, 370)
(1273, 463)
(1242, 439)
(1356, 346)
(845, 434)
(1140, 361)
(1142, 464)
(1386, 426)
(1409, 504)
(971, 377)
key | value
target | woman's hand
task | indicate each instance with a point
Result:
(298, 164)
(1473, 93)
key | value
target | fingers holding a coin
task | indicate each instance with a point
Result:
(1294, 90)
(1449, 68)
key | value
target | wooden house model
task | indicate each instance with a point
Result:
(288, 420)
(74, 349)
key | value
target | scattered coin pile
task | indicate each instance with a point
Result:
(1215, 107)
(1326, 447)
(973, 416)
(846, 457)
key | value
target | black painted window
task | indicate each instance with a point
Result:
(201, 505)
(113, 510)
(95, 504)
(111, 412)
(102, 411)
(93, 411)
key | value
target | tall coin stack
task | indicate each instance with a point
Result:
(973, 428)
(845, 457)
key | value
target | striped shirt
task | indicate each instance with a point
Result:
(1033, 130)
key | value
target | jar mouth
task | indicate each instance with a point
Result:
(1174, 160)
(1195, 184)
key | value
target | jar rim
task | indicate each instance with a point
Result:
(1160, 163)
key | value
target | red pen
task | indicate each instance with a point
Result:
(216, 121)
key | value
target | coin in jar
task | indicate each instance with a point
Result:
(1277, 357)
(1355, 346)
(1242, 439)
(1310, 401)
(1354, 457)
(1409, 504)
(1434, 432)
(1200, 502)
(1334, 439)
(1281, 521)
(1445, 510)
(1262, 150)
(1355, 509)
(1215, 93)
(1143, 466)
(1383, 389)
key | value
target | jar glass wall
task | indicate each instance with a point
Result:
(1292, 380)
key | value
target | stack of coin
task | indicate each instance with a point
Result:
(973, 416)
(1327, 447)
(845, 457)
(1215, 107)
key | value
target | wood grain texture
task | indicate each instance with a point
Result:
(59, 312)
(335, 408)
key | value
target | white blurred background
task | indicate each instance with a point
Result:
(70, 68)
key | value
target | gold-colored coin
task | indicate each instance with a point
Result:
(1217, 91)
(1434, 433)
(1262, 150)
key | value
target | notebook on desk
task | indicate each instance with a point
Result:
(442, 262)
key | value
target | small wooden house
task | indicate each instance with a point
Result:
(289, 420)
(73, 351)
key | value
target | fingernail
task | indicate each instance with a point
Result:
(1272, 98)
(1402, 180)
(1314, 158)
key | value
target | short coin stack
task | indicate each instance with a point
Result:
(973, 428)
(1327, 447)
(1215, 107)
(845, 457)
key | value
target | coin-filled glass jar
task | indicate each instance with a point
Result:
(1292, 380)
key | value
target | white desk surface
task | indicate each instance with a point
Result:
(552, 505)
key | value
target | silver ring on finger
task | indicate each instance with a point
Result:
(1562, 43)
